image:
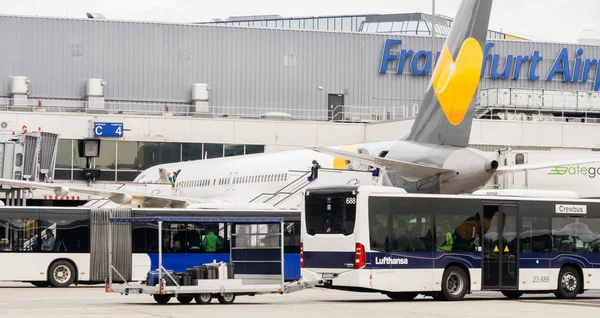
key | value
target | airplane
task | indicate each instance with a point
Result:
(433, 158)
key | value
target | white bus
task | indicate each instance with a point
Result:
(382, 239)
(77, 253)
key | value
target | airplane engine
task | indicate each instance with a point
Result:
(472, 170)
(61, 191)
(121, 198)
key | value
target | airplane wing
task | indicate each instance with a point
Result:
(408, 169)
(117, 196)
(542, 165)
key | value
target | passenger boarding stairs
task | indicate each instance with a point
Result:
(284, 193)
(291, 195)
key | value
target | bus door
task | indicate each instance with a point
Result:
(500, 261)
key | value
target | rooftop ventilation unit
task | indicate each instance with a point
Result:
(99, 16)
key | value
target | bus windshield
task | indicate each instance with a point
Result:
(332, 213)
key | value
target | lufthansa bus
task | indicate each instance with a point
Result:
(382, 239)
(50, 246)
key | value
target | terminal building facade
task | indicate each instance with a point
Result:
(252, 85)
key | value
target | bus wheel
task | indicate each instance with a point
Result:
(185, 299)
(402, 296)
(203, 298)
(226, 299)
(161, 299)
(568, 283)
(454, 284)
(61, 274)
(512, 294)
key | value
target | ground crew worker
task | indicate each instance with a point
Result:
(210, 242)
(447, 245)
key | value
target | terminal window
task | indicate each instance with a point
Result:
(124, 160)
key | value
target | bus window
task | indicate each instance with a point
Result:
(71, 231)
(412, 232)
(535, 234)
(576, 234)
(394, 226)
(194, 238)
(380, 220)
(291, 237)
(330, 214)
(457, 232)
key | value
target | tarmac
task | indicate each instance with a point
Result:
(25, 300)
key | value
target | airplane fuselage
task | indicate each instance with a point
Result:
(471, 169)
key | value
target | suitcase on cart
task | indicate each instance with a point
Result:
(186, 279)
(212, 272)
(152, 278)
(230, 270)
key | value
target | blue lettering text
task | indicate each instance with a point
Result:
(561, 65)
(387, 56)
(414, 65)
(500, 67)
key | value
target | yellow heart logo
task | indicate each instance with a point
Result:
(455, 83)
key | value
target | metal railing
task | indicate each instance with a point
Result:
(509, 107)
(340, 113)
(539, 99)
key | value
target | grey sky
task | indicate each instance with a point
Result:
(544, 20)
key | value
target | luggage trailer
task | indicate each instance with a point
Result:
(258, 269)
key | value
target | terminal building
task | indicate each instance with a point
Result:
(249, 85)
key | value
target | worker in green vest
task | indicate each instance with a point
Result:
(447, 245)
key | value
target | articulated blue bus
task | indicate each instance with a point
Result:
(188, 245)
(64, 246)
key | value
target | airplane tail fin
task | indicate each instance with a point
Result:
(446, 113)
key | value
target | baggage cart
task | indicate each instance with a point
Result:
(256, 265)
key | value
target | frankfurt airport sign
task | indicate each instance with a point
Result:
(515, 67)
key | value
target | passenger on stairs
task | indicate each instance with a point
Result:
(314, 171)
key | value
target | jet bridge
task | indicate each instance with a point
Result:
(27, 156)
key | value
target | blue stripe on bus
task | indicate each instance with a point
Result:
(181, 262)
(422, 260)
(329, 259)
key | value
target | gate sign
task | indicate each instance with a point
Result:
(102, 129)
